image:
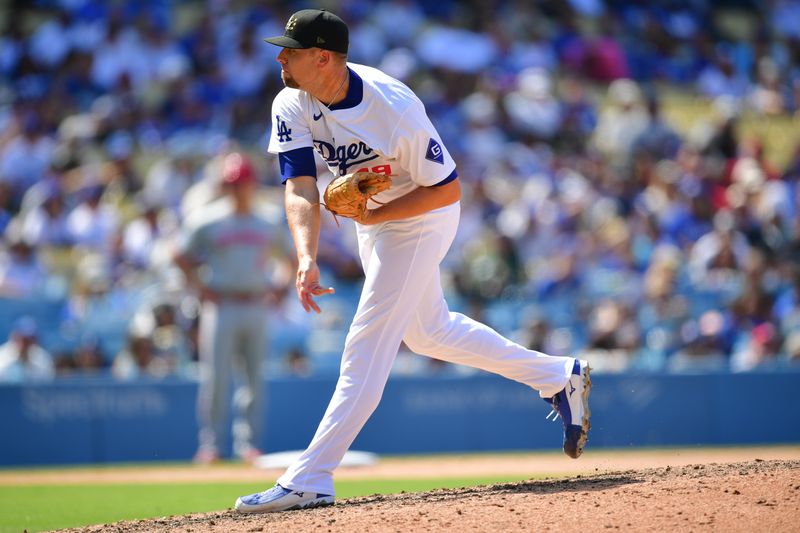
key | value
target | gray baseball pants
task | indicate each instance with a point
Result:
(232, 344)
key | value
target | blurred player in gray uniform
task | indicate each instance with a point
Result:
(357, 118)
(223, 254)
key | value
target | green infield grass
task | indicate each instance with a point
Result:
(52, 506)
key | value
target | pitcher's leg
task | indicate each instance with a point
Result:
(401, 261)
(437, 332)
(563, 382)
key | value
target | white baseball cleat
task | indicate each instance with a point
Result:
(572, 404)
(281, 499)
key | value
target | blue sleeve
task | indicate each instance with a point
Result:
(452, 177)
(298, 162)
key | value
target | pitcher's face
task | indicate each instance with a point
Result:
(298, 67)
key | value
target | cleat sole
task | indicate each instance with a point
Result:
(585, 424)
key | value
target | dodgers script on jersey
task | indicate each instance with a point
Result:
(381, 126)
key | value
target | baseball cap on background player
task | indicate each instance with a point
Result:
(311, 28)
(237, 169)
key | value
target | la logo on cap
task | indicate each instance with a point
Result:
(291, 24)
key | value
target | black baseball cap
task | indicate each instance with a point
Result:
(311, 28)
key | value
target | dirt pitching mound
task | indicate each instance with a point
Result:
(749, 496)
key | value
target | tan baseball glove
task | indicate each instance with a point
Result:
(347, 195)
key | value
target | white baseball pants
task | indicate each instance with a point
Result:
(402, 300)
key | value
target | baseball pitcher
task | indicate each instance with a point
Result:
(359, 120)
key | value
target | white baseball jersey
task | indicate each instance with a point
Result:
(381, 126)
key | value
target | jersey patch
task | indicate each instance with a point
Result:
(434, 152)
(284, 133)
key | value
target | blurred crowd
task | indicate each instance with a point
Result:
(590, 224)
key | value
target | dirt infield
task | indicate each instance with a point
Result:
(679, 491)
